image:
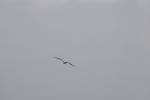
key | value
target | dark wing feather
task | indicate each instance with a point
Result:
(71, 64)
(59, 59)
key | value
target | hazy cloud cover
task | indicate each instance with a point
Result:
(108, 42)
(99, 1)
(41, 4)
(145, 4)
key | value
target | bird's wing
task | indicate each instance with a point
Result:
(71, 64)
(59, 59)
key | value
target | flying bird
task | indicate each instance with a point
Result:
(64, 62)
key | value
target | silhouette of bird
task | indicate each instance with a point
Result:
(64, 62)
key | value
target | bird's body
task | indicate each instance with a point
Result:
(64, 62)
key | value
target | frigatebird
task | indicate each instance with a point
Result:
(64, 62)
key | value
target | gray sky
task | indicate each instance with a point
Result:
(108, 41)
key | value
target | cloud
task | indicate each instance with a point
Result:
(55, 3)
(48, 3)
(145, 4)
(99, 1)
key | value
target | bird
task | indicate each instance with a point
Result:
(64, 62)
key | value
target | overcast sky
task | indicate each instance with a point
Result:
(107, 40)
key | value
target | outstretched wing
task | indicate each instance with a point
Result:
(71, 64)
(59, 59)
